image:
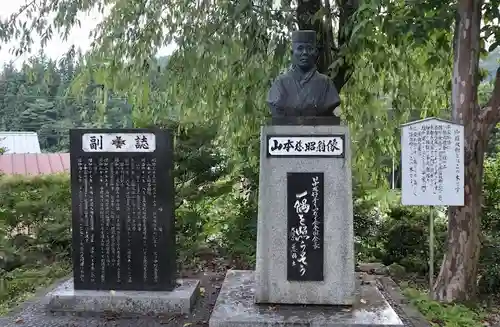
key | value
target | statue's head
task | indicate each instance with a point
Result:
(304, 50)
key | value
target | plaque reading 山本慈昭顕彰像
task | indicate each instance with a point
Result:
(331, 146)
(305, 220)
(122, 209)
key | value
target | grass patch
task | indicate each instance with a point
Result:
(19, 284)
(445, 315)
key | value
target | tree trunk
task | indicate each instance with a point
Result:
(306, 11)
(347, 9)
(457, 278)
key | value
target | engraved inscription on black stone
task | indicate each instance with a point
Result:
(305, 219)
(123, 215)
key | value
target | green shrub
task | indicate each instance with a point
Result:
(17, 285)
(391, 233)
(231, 226)
(366, 218)
(35, 239)
(445, 314)
(489, 265)
(405, 238)
(491, 194)
(34, 218)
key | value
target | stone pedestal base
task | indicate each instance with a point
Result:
(235, 307)
(65, 299)
(272, 260)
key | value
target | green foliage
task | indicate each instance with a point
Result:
(34, 213)
(489, 281)
(365, 217)
(19, 284)
(406, 238)
(491, 63)
(35, 238)
(369, 210)
(447, 315)
(391, 233)
(232, 226)
(37, 97)
(491, 196)
(388, 232)
(394, 59)
(230, 51)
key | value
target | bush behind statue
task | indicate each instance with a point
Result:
(489, 264)
(34, 219)
(35, 226)
(391, 233)
(35, 222)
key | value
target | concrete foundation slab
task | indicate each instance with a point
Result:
(235, 307)
(66, 299)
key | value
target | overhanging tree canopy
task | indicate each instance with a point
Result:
(382, 54)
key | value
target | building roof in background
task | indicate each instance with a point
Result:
(34, 163)
(20, 142)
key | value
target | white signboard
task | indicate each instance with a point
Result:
(432, 159)
(118, 142)
(305, 146)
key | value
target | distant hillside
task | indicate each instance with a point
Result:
(491, 63)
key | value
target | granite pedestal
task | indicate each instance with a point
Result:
(337, 286)
(235, 307)
(65, 299)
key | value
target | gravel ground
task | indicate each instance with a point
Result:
(33, 314)
(210, 272)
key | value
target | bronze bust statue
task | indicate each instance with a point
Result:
(302, 91)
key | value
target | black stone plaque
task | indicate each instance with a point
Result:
(305, 217)
(122, 209)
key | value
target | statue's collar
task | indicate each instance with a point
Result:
(300, 76)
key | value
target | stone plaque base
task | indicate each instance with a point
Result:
(337, 286)
(65, 299)
(235, 307)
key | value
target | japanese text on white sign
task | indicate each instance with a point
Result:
(432, 158)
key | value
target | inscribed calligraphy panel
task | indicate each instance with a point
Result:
(122, 209)
(305, 212)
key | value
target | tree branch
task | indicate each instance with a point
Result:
(490, 113)
(20, 11)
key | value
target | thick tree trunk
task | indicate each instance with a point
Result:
(347, 9)
(306, 11)
(458, 274)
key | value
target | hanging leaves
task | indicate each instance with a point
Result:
(396, 52)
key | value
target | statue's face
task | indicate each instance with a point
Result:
(304, 55)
